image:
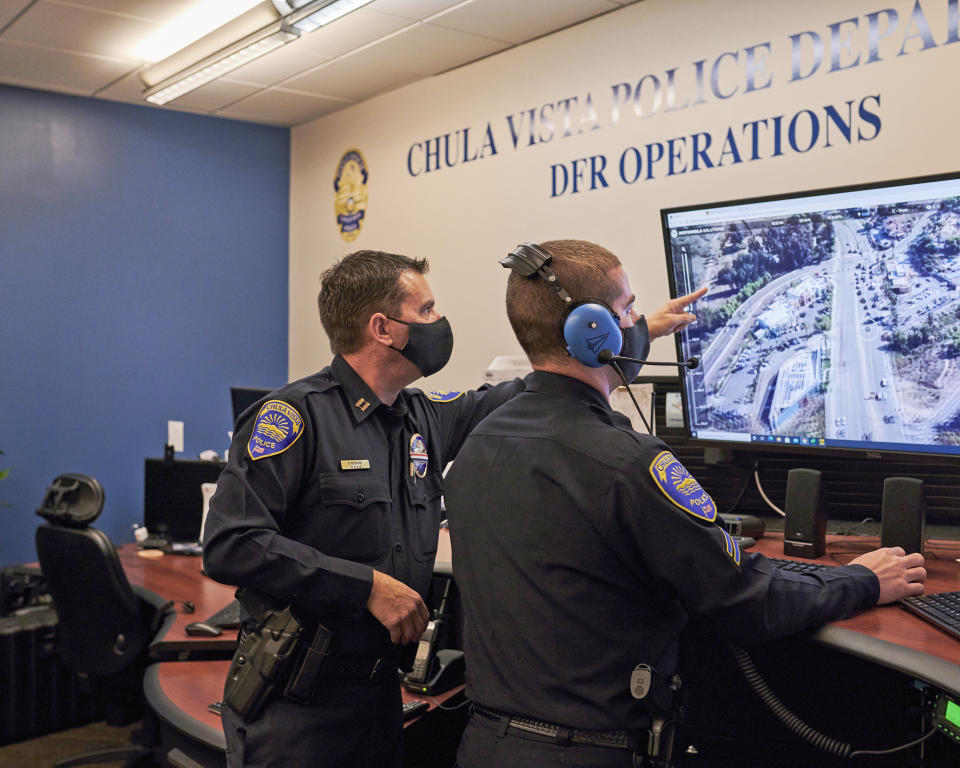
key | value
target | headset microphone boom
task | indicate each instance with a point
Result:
(606, 356)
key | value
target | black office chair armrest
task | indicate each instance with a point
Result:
(159, 611)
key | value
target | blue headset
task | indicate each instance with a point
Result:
(588, 325)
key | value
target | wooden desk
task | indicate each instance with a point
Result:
(889, 635)
(180, 578)
(179, 693)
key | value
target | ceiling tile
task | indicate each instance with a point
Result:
(347, 78)
(213, 96)
(87, 47)
(518, 22)
(154, 10)
(412, 9)
(57, 70)
(427, 49)
(353, 30)
(10, 8)
(280, 107)
(279, 65)
(128, 88)
(80, 30)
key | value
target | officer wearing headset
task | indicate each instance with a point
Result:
(582, 547)
(330, 503)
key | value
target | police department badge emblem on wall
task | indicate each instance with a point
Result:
(418, 455)
(350, 193)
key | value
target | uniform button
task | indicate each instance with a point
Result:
(398, 547)
(360, 496)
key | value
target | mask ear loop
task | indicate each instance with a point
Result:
(402, 322)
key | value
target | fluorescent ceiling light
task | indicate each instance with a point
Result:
(216, 66)
(201, 18)
(263, 28)
(308, 15)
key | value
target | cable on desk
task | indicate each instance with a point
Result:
(756, 478)
(913, 743)
(450, 709)
(853, 531)
(743, 489)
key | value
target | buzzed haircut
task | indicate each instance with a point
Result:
(535, 311)
(359, 285)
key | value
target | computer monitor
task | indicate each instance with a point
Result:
(173, 496)
(242, 398)
(832, 320)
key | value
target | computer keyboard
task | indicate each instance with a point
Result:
(941, 610)
(797, 566)
(227, 617)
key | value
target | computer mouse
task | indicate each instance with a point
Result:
(202, 628)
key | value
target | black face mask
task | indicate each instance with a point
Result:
(429, 345)
(636, 343)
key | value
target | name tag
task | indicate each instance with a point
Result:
(354, 464)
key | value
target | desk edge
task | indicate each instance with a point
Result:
(922, 666)
(176, 717)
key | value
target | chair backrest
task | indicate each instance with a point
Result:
(103, 626)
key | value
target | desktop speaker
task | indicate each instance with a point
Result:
(903, 514)
(805, 517)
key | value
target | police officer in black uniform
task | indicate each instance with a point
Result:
(330, 502)
(581, 547)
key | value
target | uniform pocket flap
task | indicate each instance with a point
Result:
(353, 490)
(425, 489)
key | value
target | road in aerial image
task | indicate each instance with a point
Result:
(839, 324)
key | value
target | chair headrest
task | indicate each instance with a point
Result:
(72, 500)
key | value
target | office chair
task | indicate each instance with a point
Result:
(105, 626)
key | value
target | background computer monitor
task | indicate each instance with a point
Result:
(242, 398)
(173, 496)
(832, 321)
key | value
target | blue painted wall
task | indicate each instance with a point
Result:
(143, 271)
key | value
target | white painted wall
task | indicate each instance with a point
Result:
(466, 217)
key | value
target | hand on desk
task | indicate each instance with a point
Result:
(900, 574)
(399, 608)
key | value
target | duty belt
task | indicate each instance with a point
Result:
(344, 667)
(563, 735)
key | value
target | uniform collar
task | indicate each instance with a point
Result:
(361, 398)
(558, 384)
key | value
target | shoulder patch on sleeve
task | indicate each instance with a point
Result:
(276, 428)
(681, 488)
(442, 396)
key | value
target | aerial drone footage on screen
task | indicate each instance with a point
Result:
(832, 319)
